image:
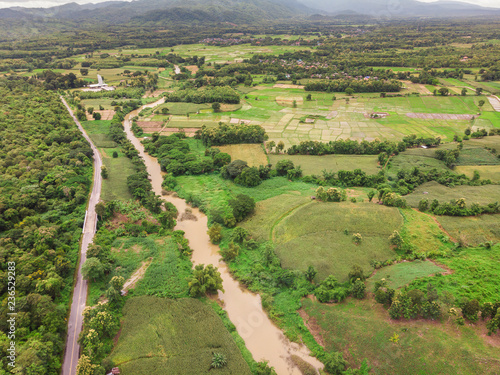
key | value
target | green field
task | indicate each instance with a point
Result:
(174, 337)
(487, 172)
(472, 230)
(407, 161)
(115, 186)
(482, 195)
(475, 275)
(362, 330)
(401, 274)
(313, 234)
(253, 154)
(314, 165)
(421, 231)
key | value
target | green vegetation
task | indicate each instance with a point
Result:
(474, 275)
(315, 165)
(46, 168)
(306, 237)
(472, 230)
(191, 334)
(473, 194)
(401, 274)
(363, 331)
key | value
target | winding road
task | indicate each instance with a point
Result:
(72, 349)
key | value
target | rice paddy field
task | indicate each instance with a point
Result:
(174, 337)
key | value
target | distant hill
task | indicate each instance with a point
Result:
(400, 8)
(169, 11)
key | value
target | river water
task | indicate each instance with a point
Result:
(262, 338)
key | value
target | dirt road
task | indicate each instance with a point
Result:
(72, 349)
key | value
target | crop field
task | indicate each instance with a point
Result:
(487, 172)
(268, 212)
(314, 234)
(401, 274)
(474, 276)
(473, 194)
(312, 164)
(423, 232)
(271, 106)
(473, 230)
(115, 186)
(174, 337)
(477, 156)
(362, 330)
(407, 161)
(253, 154)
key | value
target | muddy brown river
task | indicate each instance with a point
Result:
(262, 338)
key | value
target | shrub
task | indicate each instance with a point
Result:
(334, 363)
(218, 359)
(357, 238)
(283, 166)
(242, 206)
(215, 233)
(249, 177)
(359, 289)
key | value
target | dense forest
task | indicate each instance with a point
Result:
(46, 168)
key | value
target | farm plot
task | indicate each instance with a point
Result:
(253, 154)
(320, 234)
(486, 172)
(472, 230)
(401, 274)
(362, 329)
(473, 194)
(174, 337)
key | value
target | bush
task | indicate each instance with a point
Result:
(334, 363)
(242, 206)
(233, 169)
(249, 177)
(215, 233)
(283, 166)
(358, 289)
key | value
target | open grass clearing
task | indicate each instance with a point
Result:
(115, 186)
(314, 234)
(477, 156)
(482, 195)
(474, 275)
(253, 154)
(174, 337)
(401, 274)
(362, 329)
(472, 230)
(312, 164)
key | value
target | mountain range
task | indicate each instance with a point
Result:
(240, 11)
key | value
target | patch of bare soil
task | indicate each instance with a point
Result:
(192, 68)
(150, 126)
(439, 116)
(376, 115)
(286, 86)
(106, 114)
(313, 327)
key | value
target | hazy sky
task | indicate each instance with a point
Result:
(49, 3)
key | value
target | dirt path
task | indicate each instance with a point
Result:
(75, 322)
(136, 276)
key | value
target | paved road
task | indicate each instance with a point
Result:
(72, 350)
